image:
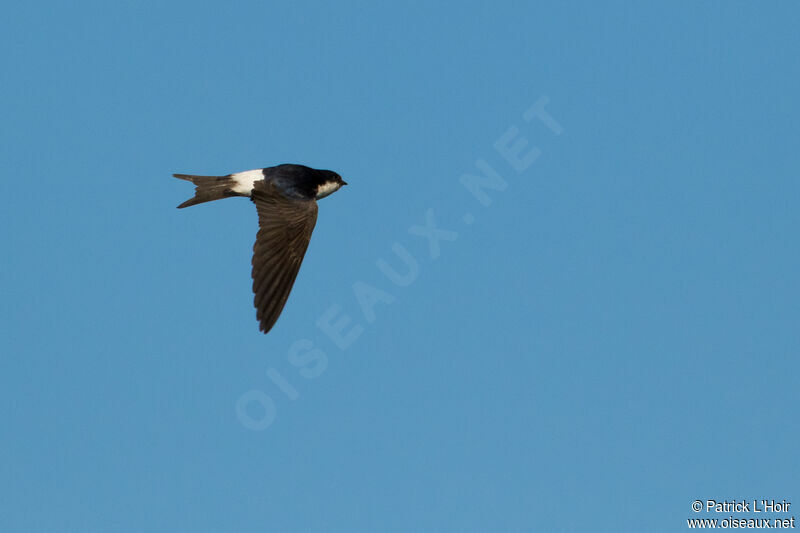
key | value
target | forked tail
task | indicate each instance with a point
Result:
(208, 188)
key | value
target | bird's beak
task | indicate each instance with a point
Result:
(344, 182)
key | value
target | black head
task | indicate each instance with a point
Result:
(329, 183)
(306, 181)
(331, 176)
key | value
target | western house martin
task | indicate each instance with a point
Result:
(286, 199)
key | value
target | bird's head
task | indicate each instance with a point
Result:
(329, 184)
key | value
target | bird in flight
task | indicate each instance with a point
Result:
(286, 199)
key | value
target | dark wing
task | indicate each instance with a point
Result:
(285, 226)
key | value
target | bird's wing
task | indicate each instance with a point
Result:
(285, 227)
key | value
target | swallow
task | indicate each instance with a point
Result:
(286, 200)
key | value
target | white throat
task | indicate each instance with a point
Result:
(329, 187)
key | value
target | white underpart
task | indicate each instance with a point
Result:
(329, 187)
(245, 181)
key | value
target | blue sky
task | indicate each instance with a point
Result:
(612, 336)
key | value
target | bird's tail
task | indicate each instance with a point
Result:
(208, 188)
